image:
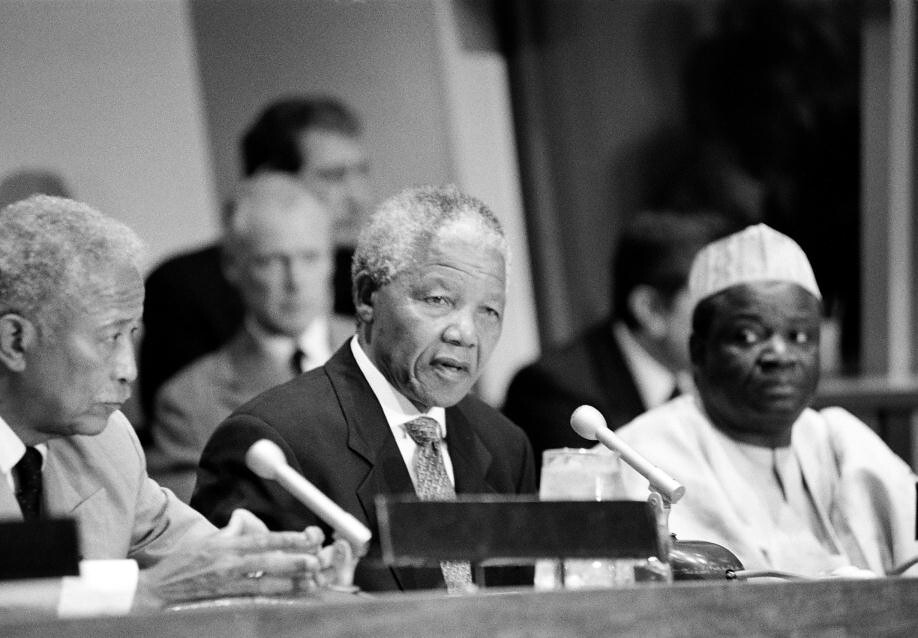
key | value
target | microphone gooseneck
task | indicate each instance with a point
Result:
(590, 424)
(266, 459)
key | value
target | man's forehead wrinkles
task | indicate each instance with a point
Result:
(435, 270)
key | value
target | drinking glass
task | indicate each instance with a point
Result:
(570, 474)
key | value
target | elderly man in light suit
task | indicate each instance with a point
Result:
(278, 254)
(71, 296)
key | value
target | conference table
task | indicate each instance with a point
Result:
(838, 607)
(878, 607)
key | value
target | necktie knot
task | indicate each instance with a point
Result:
(28, 479)
(424, 430)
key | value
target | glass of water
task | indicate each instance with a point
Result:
(570, 474)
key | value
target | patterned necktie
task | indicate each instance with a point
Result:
(28, 484)
(433, 484)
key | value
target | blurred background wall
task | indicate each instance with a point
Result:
(139, 106)
(555, 112)
(106, 94)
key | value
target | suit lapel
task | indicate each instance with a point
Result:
(67, 489)
(62, 496)
(368, 433)
(370, 438)
(471, 459)
(615, 373)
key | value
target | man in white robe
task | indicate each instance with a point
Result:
(784, 487)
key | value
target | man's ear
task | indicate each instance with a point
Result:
(647, 306)
(17, 336)
(365, 301)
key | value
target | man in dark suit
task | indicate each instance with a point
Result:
(278, 254)
(633, 360)
(190, 308)
(429, 280)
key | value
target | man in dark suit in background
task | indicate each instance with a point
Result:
(190, 307)
(391, 410)
(278, 255)
(633, 360)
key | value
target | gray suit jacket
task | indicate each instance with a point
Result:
(101, 481)
(189, 406)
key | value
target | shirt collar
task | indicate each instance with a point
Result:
(396, 407)
(314, 340)
(654, 381)
(12, 448)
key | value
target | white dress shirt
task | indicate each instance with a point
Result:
(655, 382)
(315, 342)
(398, 410)
(12, 449)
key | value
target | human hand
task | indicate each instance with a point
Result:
(242, 523)
(242, 559)
(339, 562)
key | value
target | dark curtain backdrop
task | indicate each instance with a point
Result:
(595, 86)
(746, 106)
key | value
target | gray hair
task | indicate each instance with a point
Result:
(264, 191)
(53, 251)
(402, 227)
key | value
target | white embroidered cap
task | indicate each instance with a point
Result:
(757, 253)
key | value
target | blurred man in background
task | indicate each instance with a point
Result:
(277, 253)
(191, 309)
(635, 359)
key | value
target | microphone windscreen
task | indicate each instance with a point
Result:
(264, 457)
(587, 421)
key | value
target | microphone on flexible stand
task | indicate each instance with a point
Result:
(266, 459)
(689, 560)
(589, 423)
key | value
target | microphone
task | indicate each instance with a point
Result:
(590, 424)
(267, 460)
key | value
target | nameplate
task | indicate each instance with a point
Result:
(506, 530)
(38, 549)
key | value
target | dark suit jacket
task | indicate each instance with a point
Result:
(590, 369)
(189, 310)
(332, 429)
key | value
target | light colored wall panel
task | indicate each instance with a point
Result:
(379, 57)
(484, 159)
(105, 93)
(433, 111)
